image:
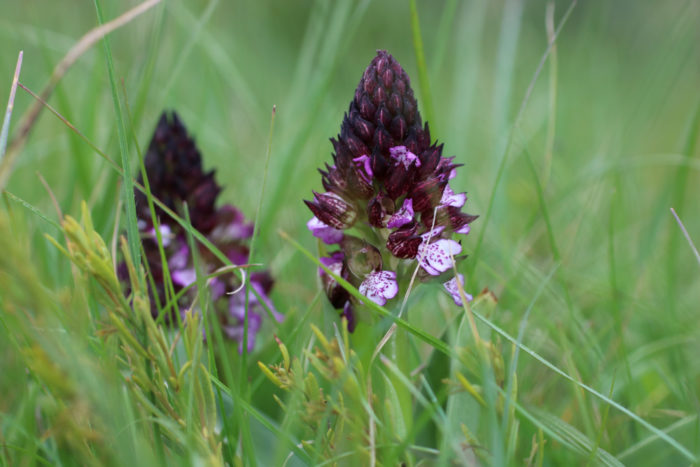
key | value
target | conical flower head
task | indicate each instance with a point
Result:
(176, 177)
(388, 176)
(174, 168)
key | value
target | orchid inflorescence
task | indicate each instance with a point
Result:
(387, 202)
(176, 177)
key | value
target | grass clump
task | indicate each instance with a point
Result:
(577, 125)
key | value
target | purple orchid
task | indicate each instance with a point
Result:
(176, 176)
(323, 231)
(390, 178)
(453, 289)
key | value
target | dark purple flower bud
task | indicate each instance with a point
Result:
(430, 159)
(426, 195)
(378, 209)
(336, 294)
(403, 172)
(403, 243)
(332, 210)
(450, 217)
(175, 174)
(349, 314)
(459, 221)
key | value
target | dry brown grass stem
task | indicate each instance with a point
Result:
(83, 45)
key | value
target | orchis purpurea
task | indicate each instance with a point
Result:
(176, 176)
(387, 200)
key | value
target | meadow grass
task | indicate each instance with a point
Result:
(578, 126)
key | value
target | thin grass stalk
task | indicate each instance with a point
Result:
(83, 45)
(10, 106)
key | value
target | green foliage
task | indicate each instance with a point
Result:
(577, 152)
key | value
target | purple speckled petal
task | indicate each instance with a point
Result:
(403, 216)
(364, 165)
(435, 257)
(450, 198)
(380, 286)
(433, 234)
(452, 287)
(326, 233)
(465, 229)
(402, 155)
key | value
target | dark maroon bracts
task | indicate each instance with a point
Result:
(389, 184)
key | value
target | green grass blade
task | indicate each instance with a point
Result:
(282, 435)
(10, 106)
(31, 209)
(670, 441)
(132, 231)
(423, 82)
(511, 136)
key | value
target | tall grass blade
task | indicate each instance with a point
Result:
(423, 81)
(132, 230)
(10, 106)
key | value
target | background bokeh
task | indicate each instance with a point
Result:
(578, 172)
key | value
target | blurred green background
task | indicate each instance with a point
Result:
(592, 158)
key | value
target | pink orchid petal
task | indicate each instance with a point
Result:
(465, 229)
(380, 286)
(432, 234)
(402, 155)
(449, 198)
(180, 258)
(326, 233)
(452, 287)
(184, 277)
(403, 216)
(364, 163)
(435, 257)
